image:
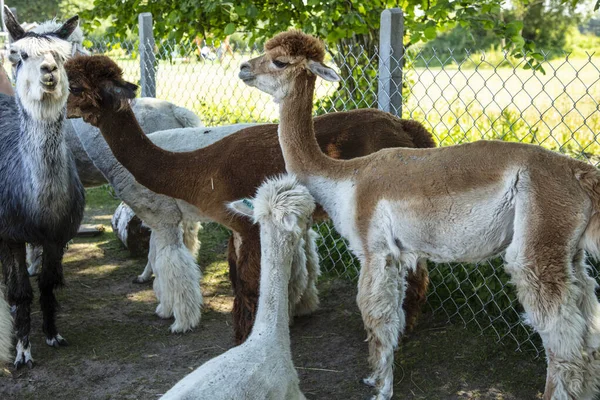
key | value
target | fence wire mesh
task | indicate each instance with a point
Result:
(458, 95)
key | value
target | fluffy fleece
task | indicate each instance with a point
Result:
(262, 367)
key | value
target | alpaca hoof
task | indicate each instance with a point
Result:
(179, 328)
(57, 341)
(140, 280)
(303, 309)
(20, 363)
(23, 355)
(370, 381)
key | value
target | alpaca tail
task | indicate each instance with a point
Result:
(6, 328)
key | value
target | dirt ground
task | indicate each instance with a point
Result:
(119, 349)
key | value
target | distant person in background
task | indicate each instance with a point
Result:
(5, 86)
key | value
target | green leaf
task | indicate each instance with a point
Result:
(430, 33)
(597, 6)
(229, 28)
(514, 27)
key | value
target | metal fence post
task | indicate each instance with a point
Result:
(147, 56)
(391, 50)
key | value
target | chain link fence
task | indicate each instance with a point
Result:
(458, 95)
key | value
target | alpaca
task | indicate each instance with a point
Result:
(450, 204)
(6, 328)
(172, 221)
(153, 115)
(41, 196)
(229, 169)
(262, 367)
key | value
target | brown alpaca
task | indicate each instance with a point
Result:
(459, 203)
(229, 169)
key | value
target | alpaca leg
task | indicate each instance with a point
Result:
(51, 277)
(190, 236)
(20, 296)
(179, 279)
(247, 278)
(146, 275)
(309, 302)
(34, 259)
(380, 292)
(590, 308)
(546, 288)
(416, 293)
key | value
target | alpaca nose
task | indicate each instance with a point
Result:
(48, 68)
(245, 71)
(245, 67)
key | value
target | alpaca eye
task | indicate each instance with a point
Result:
(24, 56)
(280, 64)
(14, 57)
(75, 90)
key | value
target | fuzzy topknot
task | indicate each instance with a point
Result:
(93, 68)
(297, 43)
(281, 195)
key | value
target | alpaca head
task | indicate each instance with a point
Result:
(96, 84)
(289, 56)
(38, 60)
(281, 205)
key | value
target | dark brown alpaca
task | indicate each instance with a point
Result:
(229, 169)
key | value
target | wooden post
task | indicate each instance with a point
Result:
(391, 51)
(147, 56)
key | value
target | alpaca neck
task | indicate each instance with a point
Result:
(272, 316)
(302, 154)
(44, 148)
(150, 165)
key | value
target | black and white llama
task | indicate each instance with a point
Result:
(41, 197)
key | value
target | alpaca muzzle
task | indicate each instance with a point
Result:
(245, 73)
(49, 81)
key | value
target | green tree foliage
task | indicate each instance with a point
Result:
(546, 22)
(35, 10)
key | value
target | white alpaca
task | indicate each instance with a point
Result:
(397, 206)
(262, 367)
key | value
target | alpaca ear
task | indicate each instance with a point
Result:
(67, 28)
(243, 207)
(323, 71)
(126, 90)
(15, 30)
